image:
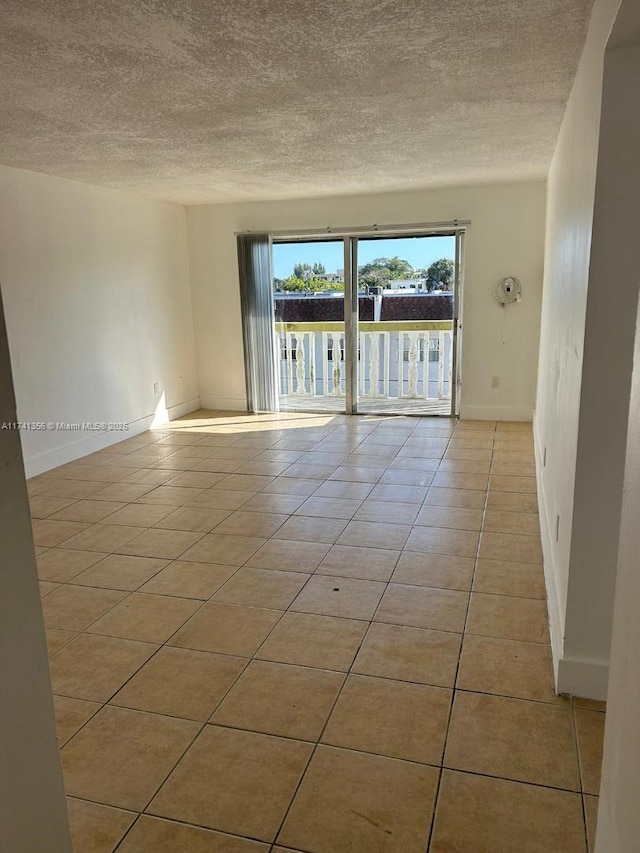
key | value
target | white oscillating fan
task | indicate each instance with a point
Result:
(507, 291)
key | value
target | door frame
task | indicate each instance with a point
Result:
(350, 236)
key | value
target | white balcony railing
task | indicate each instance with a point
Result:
(397, 360)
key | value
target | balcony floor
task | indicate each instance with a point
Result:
(367, 405)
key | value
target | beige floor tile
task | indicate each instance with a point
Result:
(308, 471)
(590, 704)
(394, 513)
(514, 739)
(123, 492)
(501, 521)
(73, 489)
(93, 667)
(96, 828)
(460, 498)
(423, 607)
(451, 480)
(484, 815)
(450, 517)
(46, 587)
(140, 515)
(194, 519)
(398, 493)
(118, 571)
(503, 577)
(155, 542)
(280, 699)
(196, 479)
(224, 550)
(89, 511)
(357, 474)
(391, 718)
(42, 506)
(354, 801)
(371, 534)
(155, 835)
(264, 502)
(324, 642)
(508, 668)
(404, 477)
(217, 498)
(262, 588)
(148, 477)
(465, 466)
(590, 732)
(440, 540)
(170, 495)
(245, 482)
(507, 483)
(148, 745)
(215, 465)
(71, 715)
(241, 523)
(512, 547)
(305, 529)
(409, 654)
(289, 556)
(148, 618)
(226, 628)
(189, 580)
(348, 561)
(512, 502)
(291, 486)
(438, 570)
(469, 454)
(74, 608)
(342, 489)
(49, 533)
(320, 507)
(102, 537)
(331, 596)
(508, 617)
(591, 804)
(427, 465)
(250, 781)
(59, 565)
(181, 683)
(258, 466)
(57, 638)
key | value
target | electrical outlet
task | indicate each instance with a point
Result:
(156, 389)
(495, 382)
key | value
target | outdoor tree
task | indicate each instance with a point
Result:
(293, 284)
(442, 272)
(379, 271)
(305, 271)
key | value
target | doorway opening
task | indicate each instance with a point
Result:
(368, 324)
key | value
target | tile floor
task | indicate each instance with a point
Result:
(309, 633)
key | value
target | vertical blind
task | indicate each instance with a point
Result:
(255, 269)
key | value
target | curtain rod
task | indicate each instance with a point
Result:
(452, 225)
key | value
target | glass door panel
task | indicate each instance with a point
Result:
(406, 313)
(309, 310)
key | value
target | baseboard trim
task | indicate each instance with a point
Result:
(586, 678)
(496, 413)
(49, 459)
(224, 404)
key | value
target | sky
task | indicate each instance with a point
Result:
(419, 251)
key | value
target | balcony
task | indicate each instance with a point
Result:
(403, 366)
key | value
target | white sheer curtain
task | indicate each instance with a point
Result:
(255, 267)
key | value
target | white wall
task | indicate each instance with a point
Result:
(98, 306)
(505, 238)
(33, 813)
(580, 647)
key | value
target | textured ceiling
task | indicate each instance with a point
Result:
(218, 100)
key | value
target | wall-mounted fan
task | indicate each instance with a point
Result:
(507, 291)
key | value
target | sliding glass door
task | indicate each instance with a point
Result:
(368, 323)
